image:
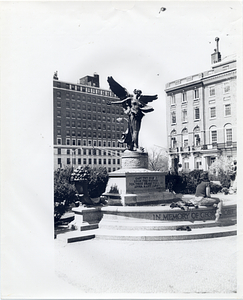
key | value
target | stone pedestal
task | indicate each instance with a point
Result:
(134, 184)
(86, 218)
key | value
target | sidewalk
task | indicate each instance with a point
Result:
(198, 266)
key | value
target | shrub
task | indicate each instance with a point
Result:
(64, 192)
(215, 188)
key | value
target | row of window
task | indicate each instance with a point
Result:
(94, 108)
(90, 134)
(93, 126)
(90, 161)
(85, 89)
(90, 143)
(93, 117)
(197, 136)
(195, 93)
(88, 152)
(212, 113)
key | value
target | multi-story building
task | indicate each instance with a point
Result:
(86, 128)
(202, 110)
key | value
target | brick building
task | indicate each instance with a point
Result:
(86, 129)
(202, 115)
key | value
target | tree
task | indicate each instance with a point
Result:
(220, 170)
(158, 160)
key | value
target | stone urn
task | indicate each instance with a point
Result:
(83, 193)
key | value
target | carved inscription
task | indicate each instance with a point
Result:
(149, 182)
(200, 215)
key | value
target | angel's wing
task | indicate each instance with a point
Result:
(145, 99)
(117, 89)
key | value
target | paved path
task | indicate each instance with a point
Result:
(197, 266)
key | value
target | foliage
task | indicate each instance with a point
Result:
(175, 183)
(98, 178)
(215, 188)
(64, 192)
(221, 170)
(158, 160)
(64, 189)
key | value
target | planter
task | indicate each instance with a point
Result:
(82, 188)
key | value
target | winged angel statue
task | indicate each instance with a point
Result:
(134, 106)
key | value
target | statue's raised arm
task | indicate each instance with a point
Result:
(134, 107)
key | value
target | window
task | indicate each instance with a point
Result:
(104, 161)
(59, 113)
(227, 110)
(79, 151)
(196, 113)
(226, 87)
(100, 161)
(173, 117)
(90, 161)
(79, 161)
(84, 142)
(59, 161)
(198, 165)
(196, 94)
(185, 137)
(74, 161)
(59, 141)
(73, 124)
(212, 112)
(95, 161)
(73, 142)
(58, 122)
(184, 115)
(68, 161)
(228, 135)
(214, 137)
(212, 91)
(172, 99)
(59, 151)
(173, 139)
(85, 161)
(68, 142)
(186, 166)
(184, 97)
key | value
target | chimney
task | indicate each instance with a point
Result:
(216, 56)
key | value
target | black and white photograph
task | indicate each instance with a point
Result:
(120, 154)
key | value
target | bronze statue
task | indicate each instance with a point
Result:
(134, 106)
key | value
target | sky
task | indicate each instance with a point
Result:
(132, 41)
(136, 43)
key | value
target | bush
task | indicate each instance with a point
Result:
(64, 192)
(215, 188)
(175, 183)
(64, 188)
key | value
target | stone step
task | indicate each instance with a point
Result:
(166, 235)
(76, 236)
(121, 224)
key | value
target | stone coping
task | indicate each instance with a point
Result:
(125, 171)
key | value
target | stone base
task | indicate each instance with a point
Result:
(137, 187)
(86, 218)
(134, 184)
